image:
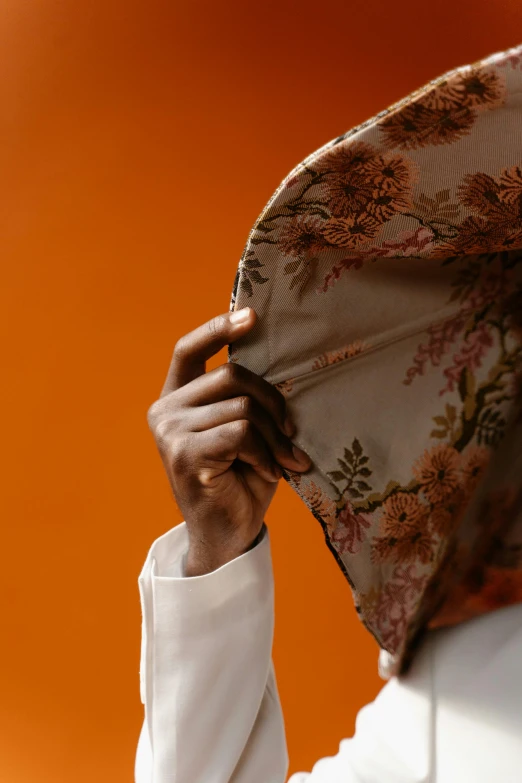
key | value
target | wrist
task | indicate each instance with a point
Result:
(203, 559)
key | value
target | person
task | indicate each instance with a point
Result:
(207, 680)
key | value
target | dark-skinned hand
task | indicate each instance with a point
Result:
(222, 436)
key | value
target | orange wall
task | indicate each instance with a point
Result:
(138, 143)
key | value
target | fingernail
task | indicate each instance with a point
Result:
(289, 426)
(301, 456)
(240, 315)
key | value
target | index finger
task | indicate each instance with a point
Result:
(192, 351)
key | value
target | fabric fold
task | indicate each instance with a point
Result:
(386, 274)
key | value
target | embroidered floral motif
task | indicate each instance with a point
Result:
(390, 608)
(437, 473)
(510, 190)
(250, 267)
(414, 520)
(480, 286)
(446, 112)
(417, 542)
(347, 194)
(496, 224)
(301, 234)
(285, 387)
(315, 498)
(345, 198)
(418, 126)
(411, 547)
(331, 357)
(497, 220)
(351, 231)
(349, 532)
(402, 513)
(354, 470)
(408, 243)
(341, 160)
(514, 60)
(446, 516)
(474, 466)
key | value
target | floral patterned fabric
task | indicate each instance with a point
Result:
(386, 272)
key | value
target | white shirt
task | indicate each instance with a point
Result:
(212, 709)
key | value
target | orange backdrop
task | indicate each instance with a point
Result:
(139, 142)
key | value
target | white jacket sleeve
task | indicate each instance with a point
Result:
(212, 711)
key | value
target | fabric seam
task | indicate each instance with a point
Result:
(375, 346)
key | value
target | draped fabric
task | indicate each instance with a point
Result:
(386, 274)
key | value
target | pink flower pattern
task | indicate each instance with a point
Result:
(349, 532)
(396, 603)
(408, 243)
(441, 338)
(470, 355)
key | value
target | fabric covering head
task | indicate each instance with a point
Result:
(386, 274)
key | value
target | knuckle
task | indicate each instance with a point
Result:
(164, 416)
(216, 325)
(151, 414)
(177, 451)
(206, 477)
(243, 428)
(245, 406)
(162, 430)
(229, 373)
(181, 348)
